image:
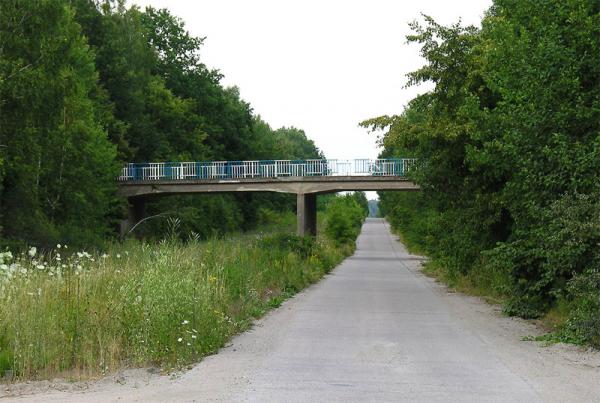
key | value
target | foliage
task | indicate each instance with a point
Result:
(344, 217)
(165, 304)
(302, 246)
(58, 165)
(509, 144)
(584, 321)
(86, 85)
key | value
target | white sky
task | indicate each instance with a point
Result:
(322, 66)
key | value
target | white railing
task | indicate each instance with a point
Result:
(265, 169)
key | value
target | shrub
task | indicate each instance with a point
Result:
(344, 217)
(560, 246)
(584, 321)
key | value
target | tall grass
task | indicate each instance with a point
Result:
(82, 315)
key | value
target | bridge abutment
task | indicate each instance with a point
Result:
(306, 213)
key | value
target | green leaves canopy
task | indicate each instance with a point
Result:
(86, 85)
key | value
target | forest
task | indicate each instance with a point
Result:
(87, 85)
(508, 141)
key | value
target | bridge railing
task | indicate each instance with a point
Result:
(265, 169)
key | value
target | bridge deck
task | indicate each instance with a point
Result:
(305, 178)
(297, 185)
(285, 176)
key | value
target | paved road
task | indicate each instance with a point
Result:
(374, 330)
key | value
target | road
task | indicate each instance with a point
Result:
(375, 329)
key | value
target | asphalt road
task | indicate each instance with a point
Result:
(375, 329)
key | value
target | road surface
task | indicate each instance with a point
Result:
(375, 329)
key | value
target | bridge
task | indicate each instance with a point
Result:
(305, 178)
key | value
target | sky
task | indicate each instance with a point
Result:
(321, 66)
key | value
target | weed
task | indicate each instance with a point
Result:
(167, 304)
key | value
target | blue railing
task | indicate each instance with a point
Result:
(264, 169)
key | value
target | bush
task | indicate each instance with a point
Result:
(584, 321)
(559, 248)
(344, 217)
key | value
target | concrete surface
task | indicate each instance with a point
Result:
(293, 184)
(375, 329)
(306, 214)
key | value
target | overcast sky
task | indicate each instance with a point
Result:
(322, 66)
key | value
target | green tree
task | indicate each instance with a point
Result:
(59, 169)
(508, 142)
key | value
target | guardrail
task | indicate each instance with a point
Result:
(154, 171)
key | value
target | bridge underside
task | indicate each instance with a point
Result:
(306, 189)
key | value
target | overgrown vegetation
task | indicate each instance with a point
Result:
(86, 85)
(344, 217)
(167, 304)
(509, 145)
(81, 314)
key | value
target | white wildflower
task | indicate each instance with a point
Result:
(40, 267)
(180, 339)
(118, 256)
(185, 322)
(58, 246)
(32, 251)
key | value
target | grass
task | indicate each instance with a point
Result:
(81, 315)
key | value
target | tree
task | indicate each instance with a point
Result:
(59, 164)
(508, 141)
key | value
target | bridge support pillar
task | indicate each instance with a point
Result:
(306, 213)
(136, 213)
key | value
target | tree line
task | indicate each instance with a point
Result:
(86, 85)
(509, 148)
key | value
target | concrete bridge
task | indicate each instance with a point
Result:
(305, 178)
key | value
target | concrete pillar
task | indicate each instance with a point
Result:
(306, 213)
(136, 212)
